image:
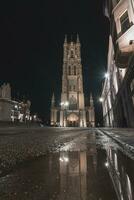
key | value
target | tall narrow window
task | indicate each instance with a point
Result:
(74, 70)
(124, 20)
(69, 70)
(72, 55)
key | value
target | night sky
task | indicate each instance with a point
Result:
(31, 47)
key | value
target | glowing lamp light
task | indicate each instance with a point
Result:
(106, 164)
(35, 116)
(106, 75)
(101, 99)
(64, 159)
(66, 103)
(60, 159)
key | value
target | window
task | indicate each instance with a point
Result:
(72, 55)
(115, 2)
(74, 70)
(69, 70)
(124, 20)
(72, 103)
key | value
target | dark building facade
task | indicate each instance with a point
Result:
(118, 90)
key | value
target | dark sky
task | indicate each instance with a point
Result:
(31, 47)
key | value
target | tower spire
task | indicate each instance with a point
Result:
(78, 40)
(53, 101)
(65, 41)
(91, 100)
(71, 38)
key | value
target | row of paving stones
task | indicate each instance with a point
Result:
(18, 145)
(124, 137)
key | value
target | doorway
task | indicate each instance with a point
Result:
(73, 120)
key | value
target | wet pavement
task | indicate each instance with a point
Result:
(82, 165)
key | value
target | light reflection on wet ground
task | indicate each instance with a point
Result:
(90, 167)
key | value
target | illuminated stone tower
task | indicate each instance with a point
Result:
(53, 112)
(72, 112)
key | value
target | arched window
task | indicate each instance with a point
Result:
(72, 55)
(72, 103)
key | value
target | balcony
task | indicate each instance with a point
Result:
(122, 58)
(125, 40)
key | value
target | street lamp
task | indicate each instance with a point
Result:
(64, 104)
(106, 75)
(101, 99)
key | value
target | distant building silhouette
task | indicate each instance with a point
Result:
(11, 110)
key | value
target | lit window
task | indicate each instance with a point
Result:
(124, 20)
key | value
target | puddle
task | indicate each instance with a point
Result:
(88, 168)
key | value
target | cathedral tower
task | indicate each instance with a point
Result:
(72, 97)
(72, 110)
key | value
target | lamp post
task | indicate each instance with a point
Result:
(107, 97)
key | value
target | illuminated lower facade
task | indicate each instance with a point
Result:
(72, 111)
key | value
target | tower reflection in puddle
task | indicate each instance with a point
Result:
(73, 172)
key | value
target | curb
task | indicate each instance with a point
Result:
(126, 147)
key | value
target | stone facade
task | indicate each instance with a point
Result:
(12, 110)
(72, 111)
(5, 102)
(118, 90)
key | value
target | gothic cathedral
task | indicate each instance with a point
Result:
(72, 111)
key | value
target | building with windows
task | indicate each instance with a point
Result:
(72, 111)
(118, 90)
(11, 110)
